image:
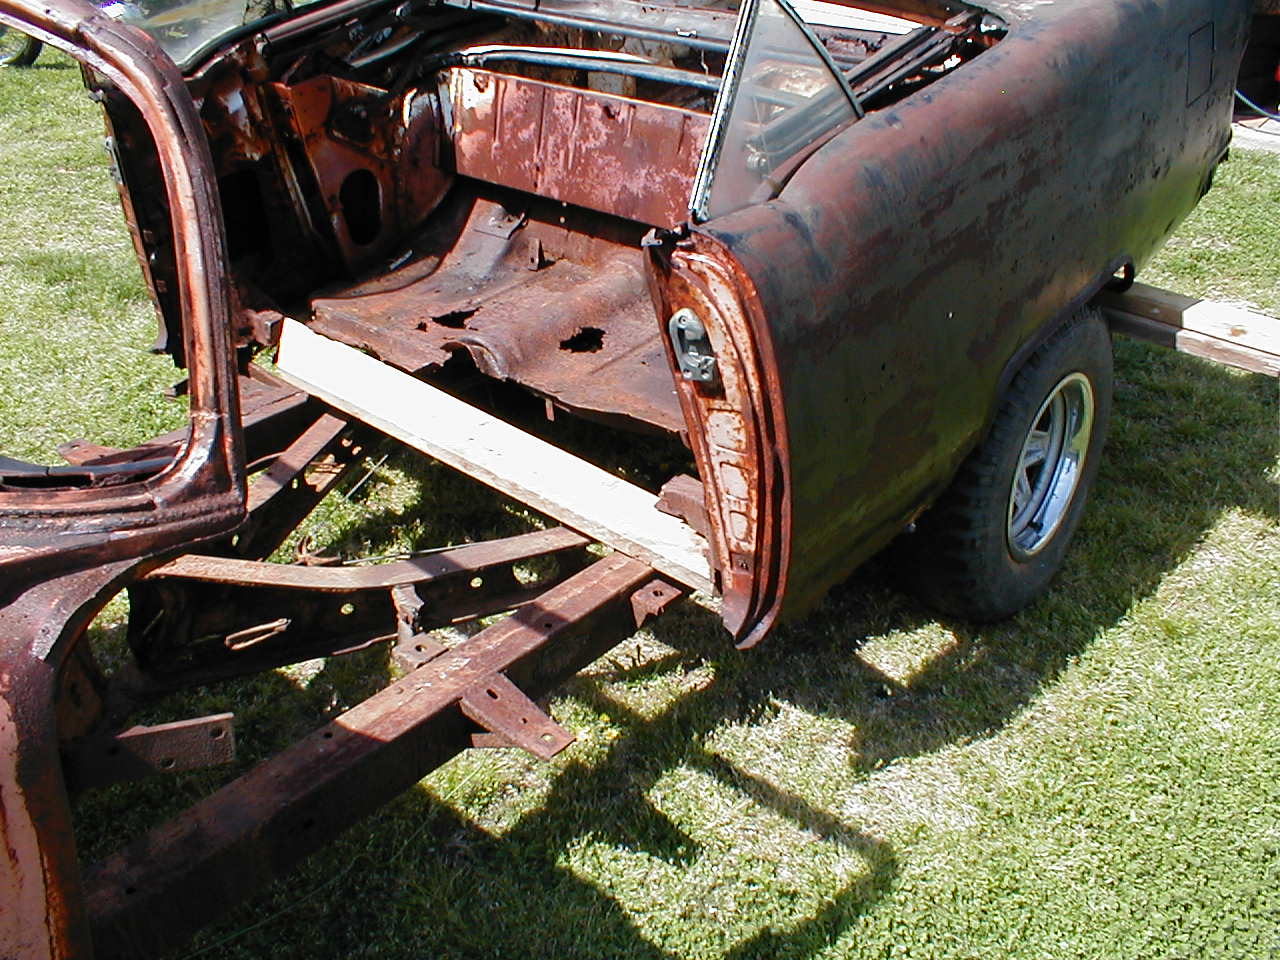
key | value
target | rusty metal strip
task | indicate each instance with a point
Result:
(142, 751)
(164, 886)
(314, 441)
(209, 618)
(300, 477)
(457, 560)
(502, 708)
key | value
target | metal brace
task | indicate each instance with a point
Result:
(413, 647)
(501, 707)
(142, 751)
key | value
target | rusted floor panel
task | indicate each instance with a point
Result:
(585, 336)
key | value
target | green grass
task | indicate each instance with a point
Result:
(1227, 248)
(1098, 777)
(76, 322)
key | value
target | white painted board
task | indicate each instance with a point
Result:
(552, 481)
(838, 15)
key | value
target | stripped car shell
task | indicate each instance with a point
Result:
(822, 276)
(980, 277)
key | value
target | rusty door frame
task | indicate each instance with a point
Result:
(66, 549)
(201, 492)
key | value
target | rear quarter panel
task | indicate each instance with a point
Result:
(909, 265)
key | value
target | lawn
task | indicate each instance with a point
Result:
(1098, 777)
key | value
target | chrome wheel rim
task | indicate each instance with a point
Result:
(1049, 465)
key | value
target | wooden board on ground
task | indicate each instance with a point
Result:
(1204, 328)
(576, 493)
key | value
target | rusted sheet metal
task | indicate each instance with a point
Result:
(375, 163)
(624, 157)
(737, 442)
(939, 227)
(142, 751)
(64, 551)
(40, 888)
(684, 496)
(161, 888)
(39, 876)
(592, 348)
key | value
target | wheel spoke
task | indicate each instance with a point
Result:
(1037, 448)
(1021, 492)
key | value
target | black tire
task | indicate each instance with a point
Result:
(17, 49)
(992, 543)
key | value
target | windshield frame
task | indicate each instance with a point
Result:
(731, 84)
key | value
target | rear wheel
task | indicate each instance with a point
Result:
(17, 49)
(997, 536)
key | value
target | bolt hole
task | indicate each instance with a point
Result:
(419, 648)
(328, 734)
(547, 737)
(217, 733)
(168, 763)
(547, 625)
(347, 609)
(492, 693)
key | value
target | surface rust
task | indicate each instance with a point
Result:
(570, 319)
(912, 262)
(620, 156)
(162, 887)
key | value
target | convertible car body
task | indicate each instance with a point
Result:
(841, 255)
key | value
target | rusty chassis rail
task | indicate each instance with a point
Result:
(160, 889)
(203, 617)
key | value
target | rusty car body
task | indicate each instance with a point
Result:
(827, 257)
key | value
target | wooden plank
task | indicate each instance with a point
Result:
(1203, 328)
(576, 493)
(1196, 344)
(1208, 317)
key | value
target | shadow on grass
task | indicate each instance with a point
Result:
(419, 879)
